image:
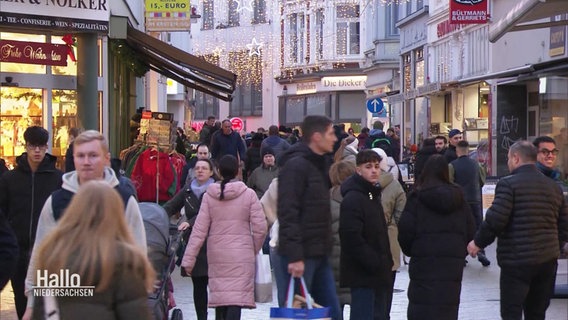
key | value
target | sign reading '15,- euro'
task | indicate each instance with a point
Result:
(468, 11)
(168, 15)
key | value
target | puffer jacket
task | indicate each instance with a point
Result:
(366, 260)
(529, 215)
(231, 250)
(393, 200)
(344, 294)
(303, 204)
(434, 231)
(23, 194)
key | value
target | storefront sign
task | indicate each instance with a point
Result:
(52, 23)
(91, 10)
(429, 88)
(557, 41)
(396, 98)
(445, 28)
(344, 83)
(168, 15)
(237, 124)
(33, 53)
(468, 11)
(306, 87)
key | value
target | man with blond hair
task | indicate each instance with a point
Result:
(92, 162)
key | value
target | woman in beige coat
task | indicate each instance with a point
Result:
(393, 200)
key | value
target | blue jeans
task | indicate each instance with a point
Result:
(319, 279)
(369, 303)
(280, 275)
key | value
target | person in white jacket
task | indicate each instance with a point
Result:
(92, 160)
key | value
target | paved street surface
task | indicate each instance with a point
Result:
(479, 298)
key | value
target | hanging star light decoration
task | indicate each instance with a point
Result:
(254, 48)
(244, 5)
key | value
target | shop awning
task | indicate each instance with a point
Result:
(525, 12)
(498, 74)
(181, 66)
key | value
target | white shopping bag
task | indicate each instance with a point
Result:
(263, 279)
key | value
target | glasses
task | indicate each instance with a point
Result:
(547, 152)
(34, 147)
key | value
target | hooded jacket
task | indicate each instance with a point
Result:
(47, 222)
(434, 231)
(366, 260)
(393, 200)
(23, 193)
(303, 204)
(231, 250)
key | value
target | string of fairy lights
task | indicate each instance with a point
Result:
(303, 51)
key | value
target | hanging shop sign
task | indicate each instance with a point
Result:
(468, 11)
(344, 83)
(33, 52)
(168, 15)
(557, 41)
(65, 15)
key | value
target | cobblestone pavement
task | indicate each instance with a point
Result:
(479, 298)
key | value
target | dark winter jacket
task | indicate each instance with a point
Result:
(253, 160)
(344, 294)
(421, 157)
(277, 144)
(260, 179)
(222, 144)
(190, 202)
(206, 133)
(467, 174)
(303, 204)
(366, 259)
(23, 193)
(434, 231)
(3, 167)
(450, 154)
(8, 251)
(529, 216)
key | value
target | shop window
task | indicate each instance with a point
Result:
(205, 106)
(347, 30)
(208, 15)
(20, 109)
(295, 109)
(233, 14)
(259, 12)
(350, 106)
(317, 104)
(21, 67)
(64, 111)
(71, 68)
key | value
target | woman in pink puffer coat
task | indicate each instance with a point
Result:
(232, 221)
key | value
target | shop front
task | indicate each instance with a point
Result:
(39, 66)
(341, 98)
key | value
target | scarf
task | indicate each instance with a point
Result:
(551, 173)
(197, 189)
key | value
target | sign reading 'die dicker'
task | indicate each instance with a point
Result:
(468, 11)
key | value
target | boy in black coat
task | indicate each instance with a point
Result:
(366, 259)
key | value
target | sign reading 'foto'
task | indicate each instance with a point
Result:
(468, 11)
(33, 53)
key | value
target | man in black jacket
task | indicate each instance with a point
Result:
(304, 214)
(455, 136)
(530, 217)
(23, 192)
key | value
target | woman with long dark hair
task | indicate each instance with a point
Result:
(230, 212)
(434, 231)
(190, 198)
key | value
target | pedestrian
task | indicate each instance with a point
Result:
(188, 173)
(207, 131)
(366, 260)
(227, 142)
(338, 173)
(229, 214)
(433, 231)
(428, 149)
(274, 141)
(530, 217)
(23, 192)
(92, 159)
(69, 162)
(393, 200)
(304, 237)
(455, 136)
(190, 198)
(470, 175)
(8, 251)
(181, 140)
(261, 177)
(253, 157)
(114, 265)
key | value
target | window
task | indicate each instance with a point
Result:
(320, 19)
(407, 72)
(259, 11)
(347, 30)
(419, 4)
(419, 70)
(208, 15)
(247, 98)
(296, 37)
(391, 20)
(233, 13)
(205, 105)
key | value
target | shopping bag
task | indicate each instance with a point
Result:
(263, 279)
(291, 313)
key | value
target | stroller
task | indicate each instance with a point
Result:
(163, 241)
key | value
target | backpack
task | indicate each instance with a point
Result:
(61, 198)
(384, 144)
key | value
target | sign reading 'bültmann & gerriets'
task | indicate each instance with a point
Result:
(468, 11)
